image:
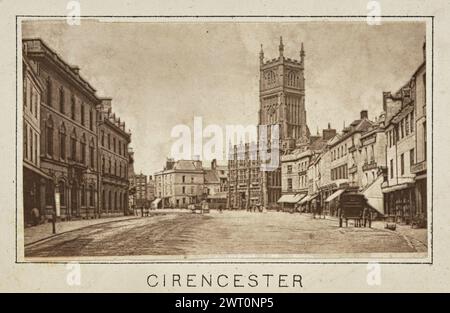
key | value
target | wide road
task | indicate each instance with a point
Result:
(235, 233)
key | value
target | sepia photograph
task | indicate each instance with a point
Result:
(299, 139)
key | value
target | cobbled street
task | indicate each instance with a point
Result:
(227, 233)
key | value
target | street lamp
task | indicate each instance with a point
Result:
(56, 202)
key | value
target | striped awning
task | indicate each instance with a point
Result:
(291, 198)
(307, 199)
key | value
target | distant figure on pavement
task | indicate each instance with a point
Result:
(35, 216)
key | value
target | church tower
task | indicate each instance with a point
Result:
(282, 97)
(282, 102)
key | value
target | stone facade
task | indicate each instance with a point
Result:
(180, 183)
(71, 117)
(34, 180)
(244, 177)
(400, 132)
(140, 183)
(68, 147)
(114, 159)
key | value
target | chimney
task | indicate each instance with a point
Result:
(386, 95)
(328, 133)
(364, 115)
(169, 164)
(213, 164)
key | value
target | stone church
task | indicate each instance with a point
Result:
(282, 103)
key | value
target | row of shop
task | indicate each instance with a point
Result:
(324, 202)
(404, 203)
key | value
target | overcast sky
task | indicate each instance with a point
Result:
(163, 74)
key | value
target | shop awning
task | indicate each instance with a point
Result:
(307, 199)
(397, 187)
(335, 195)
(291, 198)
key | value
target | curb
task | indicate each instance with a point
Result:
(68, 231)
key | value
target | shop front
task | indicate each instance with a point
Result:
(399, 202)
(289, 201)
(35, 183)
(308, 204)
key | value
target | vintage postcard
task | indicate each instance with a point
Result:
(303, 140)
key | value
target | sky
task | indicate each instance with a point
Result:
(162, 74)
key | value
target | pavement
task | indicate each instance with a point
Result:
(44, 231)
(416, 237)
(221, 234)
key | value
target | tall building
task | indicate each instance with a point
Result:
(80, 146)
(140, 182)
(404, 189)
(34, 180)
(282, 103)
(114, 159)
(68, 141)
(282, 97)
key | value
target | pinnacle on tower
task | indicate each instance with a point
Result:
(281, 46)
(261, 55)
(302, 54)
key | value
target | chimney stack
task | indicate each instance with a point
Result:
(328, 133)
(364, 115)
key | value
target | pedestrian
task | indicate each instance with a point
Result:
(35, 216)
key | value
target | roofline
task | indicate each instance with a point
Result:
(33, 74)
(91, 90)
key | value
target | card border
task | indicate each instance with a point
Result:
(431, 223)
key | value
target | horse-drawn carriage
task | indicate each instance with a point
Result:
(354, 206)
